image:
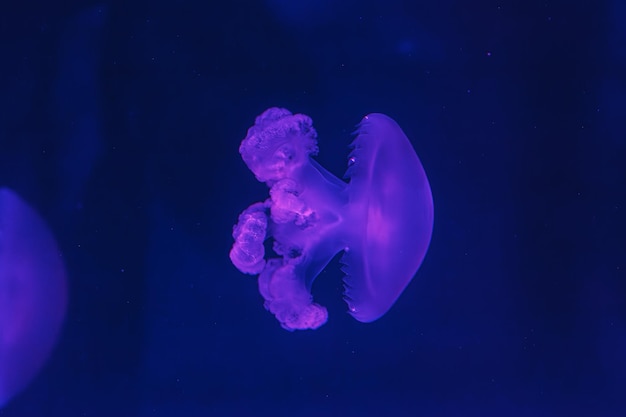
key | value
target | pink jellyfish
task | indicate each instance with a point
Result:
(33, 294)
(382, 219)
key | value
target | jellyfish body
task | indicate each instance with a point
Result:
(33, 294)
(381, 219)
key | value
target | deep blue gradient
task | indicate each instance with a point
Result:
(120, 124)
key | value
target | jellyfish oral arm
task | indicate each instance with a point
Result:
(288, 299)
(249, 233)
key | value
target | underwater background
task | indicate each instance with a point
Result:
(120, 124)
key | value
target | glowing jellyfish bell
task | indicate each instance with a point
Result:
(382, 218)
(33, 294)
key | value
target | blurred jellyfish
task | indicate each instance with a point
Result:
(76, 101)
(33, 294)
(382, 219)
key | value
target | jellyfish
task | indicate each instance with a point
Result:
(33, 294)
(381, 218)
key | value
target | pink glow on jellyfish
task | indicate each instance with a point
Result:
(33, 294)
(382, 219)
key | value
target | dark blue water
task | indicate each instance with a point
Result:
(120, 124)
